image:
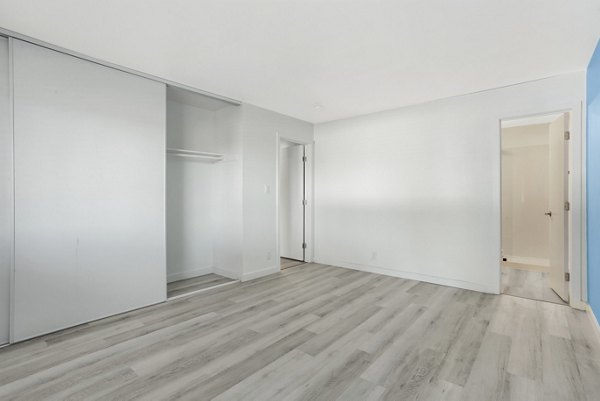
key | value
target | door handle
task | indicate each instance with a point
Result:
(549, 214)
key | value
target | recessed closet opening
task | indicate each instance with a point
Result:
(199, 153)
(292, 203)
(535, 207)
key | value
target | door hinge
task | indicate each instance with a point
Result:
(567, 135)
(304, 159)
(567, 276)
(567, 206)
(304, 202)
(304, 245)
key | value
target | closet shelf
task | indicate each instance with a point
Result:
(212, 157)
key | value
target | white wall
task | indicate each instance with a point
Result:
(525, 228)
(415, 192)
(6, 204)
(191, 192)
(227, 223)
(190, 127)
(228, 252)
(89, 191)
(260, 129)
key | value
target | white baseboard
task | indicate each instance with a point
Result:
(226, 273)
(594, 321)
(188, 274)
(467, 285)
(525, 260)
(260, 273)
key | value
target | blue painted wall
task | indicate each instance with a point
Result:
(593, 181)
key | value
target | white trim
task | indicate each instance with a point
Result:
(308, 194)
(526, 260)
(583, 183)
(449, 282)
(309, 180)
(532, 120)
(593, 319)
(188, 274)
(11, 34)
(580, 305)
(261, 273)
(187, 294)
(576, 247)
(11, 122)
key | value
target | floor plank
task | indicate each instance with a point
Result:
(287, 263)
(317, 332)
(193, 284)
(528, 283)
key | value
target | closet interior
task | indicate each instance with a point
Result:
(200, 156)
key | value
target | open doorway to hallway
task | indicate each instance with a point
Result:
(535, 207)
(292, 204)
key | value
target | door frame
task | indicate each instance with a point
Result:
(308, 195)
(575, 233)
(11, 127)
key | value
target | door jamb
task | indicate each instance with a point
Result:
(308, 195)
(12, 263)
(576, 170)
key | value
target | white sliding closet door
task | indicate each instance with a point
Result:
(6, 199)
(89, 191)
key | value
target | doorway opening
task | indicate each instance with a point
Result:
(292, 204)
(535, 182)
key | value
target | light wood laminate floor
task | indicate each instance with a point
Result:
(317, 333)
(528, 283)
(181, 287)
(286, 263)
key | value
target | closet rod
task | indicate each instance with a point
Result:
(195, 154)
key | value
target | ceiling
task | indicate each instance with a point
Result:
(322, 60)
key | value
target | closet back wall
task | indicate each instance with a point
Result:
(191, 192)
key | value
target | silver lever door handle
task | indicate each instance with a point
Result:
(549, 214)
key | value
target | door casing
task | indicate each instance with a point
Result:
(308, 194)
(573, 167)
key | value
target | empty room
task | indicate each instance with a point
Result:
(337, 200)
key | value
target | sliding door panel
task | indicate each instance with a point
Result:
(6, 197)
(89, 191)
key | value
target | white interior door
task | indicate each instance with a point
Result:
(291, 205)
(89, 191)
(6, 198)
(558, 195)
